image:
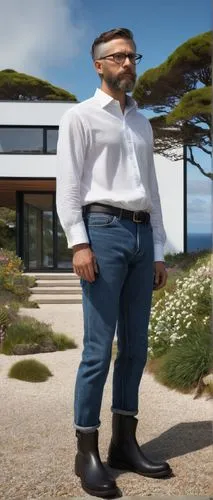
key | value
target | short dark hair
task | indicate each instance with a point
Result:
(107, 36)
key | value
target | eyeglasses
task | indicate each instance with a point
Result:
(120, 57)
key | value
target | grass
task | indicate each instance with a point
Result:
(28, 330)
(62, 342)
(22, 300)
(184, 261)
(186, 363)
(30, 370)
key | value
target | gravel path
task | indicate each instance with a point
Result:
(38, 441)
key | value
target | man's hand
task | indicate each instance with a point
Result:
(84, 262)
(160, 275)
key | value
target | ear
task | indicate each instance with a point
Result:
(99, 67)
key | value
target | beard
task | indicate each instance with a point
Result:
(122, 82)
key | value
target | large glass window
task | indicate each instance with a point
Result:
(21, 140)
(28, 140)
(52, 138)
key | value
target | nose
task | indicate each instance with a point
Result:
(127, 63)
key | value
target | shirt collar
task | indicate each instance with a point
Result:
(106, 99)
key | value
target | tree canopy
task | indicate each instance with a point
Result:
(20, 86)
(179, 91)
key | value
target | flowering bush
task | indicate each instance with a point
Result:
(13, 283)
(10, 262)
(180, 311)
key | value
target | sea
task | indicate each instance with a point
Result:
(199, 241)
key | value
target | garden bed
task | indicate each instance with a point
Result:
(20, 334)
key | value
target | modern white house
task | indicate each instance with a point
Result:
(28, 141)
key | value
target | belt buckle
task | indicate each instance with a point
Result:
(135, 218)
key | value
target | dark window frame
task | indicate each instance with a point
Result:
(44, 128)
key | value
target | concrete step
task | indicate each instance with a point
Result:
(54, 276)
(60, 290)
(57, 283)
(56, 299)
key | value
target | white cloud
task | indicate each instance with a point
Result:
(39, 34)
(199, 210)
(197, 205)
(199, 187)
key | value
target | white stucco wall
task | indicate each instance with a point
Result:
(32, 113)
(27, 166)
(171, 188)
(169, 174)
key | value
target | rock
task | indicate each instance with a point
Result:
(46, 346)
(208, 379)
(20, 349)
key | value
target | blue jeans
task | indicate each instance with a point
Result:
(121, 295)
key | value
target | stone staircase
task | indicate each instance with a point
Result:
(56, 288)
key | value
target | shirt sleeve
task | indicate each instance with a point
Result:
(159, 234)
(71, 151)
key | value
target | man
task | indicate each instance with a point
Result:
(108, 204)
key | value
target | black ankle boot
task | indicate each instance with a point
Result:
(95, 479)
(125, 453)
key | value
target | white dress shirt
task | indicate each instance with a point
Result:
(106, 156)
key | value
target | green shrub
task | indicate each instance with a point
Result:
(8, 315)
(30, 331)
(4, 322)
(62, 342)
(18, 284)
(187, 362)
(7, 236)
(30, 370)
(4, 317)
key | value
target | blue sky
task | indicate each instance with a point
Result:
(53, 40)
(159, 27)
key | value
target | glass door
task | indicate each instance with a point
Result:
(38, 231)
(44, 241)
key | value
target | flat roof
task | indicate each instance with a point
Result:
(38, 101)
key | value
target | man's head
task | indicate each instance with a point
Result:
(114, 56)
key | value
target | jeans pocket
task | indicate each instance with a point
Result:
(99, 219)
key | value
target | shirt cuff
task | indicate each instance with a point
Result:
(158, 252)
(77, 234)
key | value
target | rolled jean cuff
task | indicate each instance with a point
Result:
(124, 412)
(86, 430)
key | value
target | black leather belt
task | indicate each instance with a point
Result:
(138, 217)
